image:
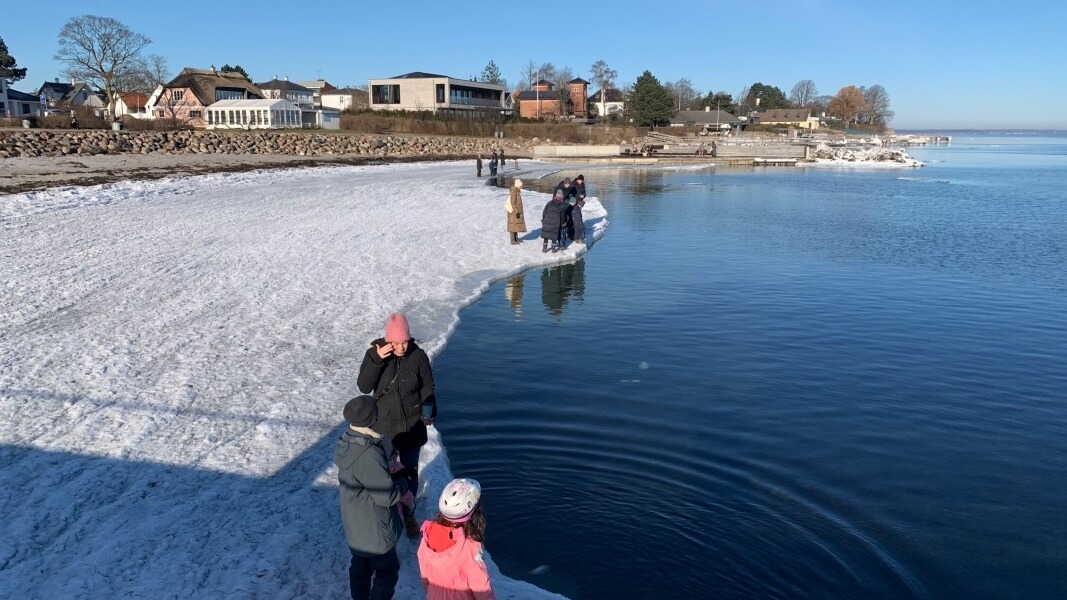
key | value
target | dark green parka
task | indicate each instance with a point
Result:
(368, 494)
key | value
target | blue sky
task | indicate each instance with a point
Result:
(950, 64)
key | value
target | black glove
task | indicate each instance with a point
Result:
(407, 473)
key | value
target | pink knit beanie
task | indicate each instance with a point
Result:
(396, 328)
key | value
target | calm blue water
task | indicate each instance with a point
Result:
(784, 383)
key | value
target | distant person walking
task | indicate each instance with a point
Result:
(451, 554)
(492, 165)
(369, 496)
(479, 165)
(516, 218)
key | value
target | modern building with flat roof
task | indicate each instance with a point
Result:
(426, 92)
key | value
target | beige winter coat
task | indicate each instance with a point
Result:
(516, 218)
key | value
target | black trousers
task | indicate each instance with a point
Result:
(383, 568)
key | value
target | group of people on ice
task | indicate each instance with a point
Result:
(561, 219)
(377, 461)
(377, 457)
(495, 162)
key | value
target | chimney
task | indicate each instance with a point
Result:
(213, 72)
(287, 78)
(57, 80)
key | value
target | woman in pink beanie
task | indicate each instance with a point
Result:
(398, 373)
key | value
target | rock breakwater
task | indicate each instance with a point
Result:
(44, 143)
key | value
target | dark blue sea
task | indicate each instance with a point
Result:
(784, 383)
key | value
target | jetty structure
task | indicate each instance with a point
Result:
(657, 148)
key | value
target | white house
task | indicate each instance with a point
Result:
(254, 114)
(318, 87)
(283, 89)
(345, 99)
(613, 105)
(436, 93)
(71, 96)
(14, 104)
(131, 104)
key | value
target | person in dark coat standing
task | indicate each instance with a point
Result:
(565, 187)
(577, 222)
(492, 165)
(551, 222)
(398, 372)
(479, 165)
(369, 497)
(578, 187)
(565, 233)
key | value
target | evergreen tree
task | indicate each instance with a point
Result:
(236, 69)
(491, 74)
(771, 98)
(9, 68)
(649, 103)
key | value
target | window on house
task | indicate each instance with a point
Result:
(178, 95)
(228, 94)
(160, 113)
(440, 93)
(195, 114)
(386, 94)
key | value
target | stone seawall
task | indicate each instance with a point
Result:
(42, 143)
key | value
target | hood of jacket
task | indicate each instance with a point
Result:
(441, 538)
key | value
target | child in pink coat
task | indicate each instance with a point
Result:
(451, 554)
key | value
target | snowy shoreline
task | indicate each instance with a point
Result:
(177, 353)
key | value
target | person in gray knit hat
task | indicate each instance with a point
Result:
(369, 496)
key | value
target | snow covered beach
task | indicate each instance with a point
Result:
(176, 354)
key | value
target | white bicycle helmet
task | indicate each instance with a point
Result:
(459, 499)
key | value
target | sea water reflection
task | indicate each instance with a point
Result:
(781, 384)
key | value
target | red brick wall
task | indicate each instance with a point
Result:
(549, 109)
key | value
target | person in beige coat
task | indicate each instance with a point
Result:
(516, 220)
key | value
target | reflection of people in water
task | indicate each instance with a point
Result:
(561, 283)
(513, 292)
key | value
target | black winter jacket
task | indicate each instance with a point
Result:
(551, 219)
(403, 386)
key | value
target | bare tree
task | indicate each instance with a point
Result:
(99, 50)
(528, 76)
(743, 104)
(604, 77)
(877, 100)
(143, 75)
(560, 79)
(682, 91)
(803, 93)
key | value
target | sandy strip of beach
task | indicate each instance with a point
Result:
(29, 174)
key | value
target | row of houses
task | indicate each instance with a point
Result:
(215, 99)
